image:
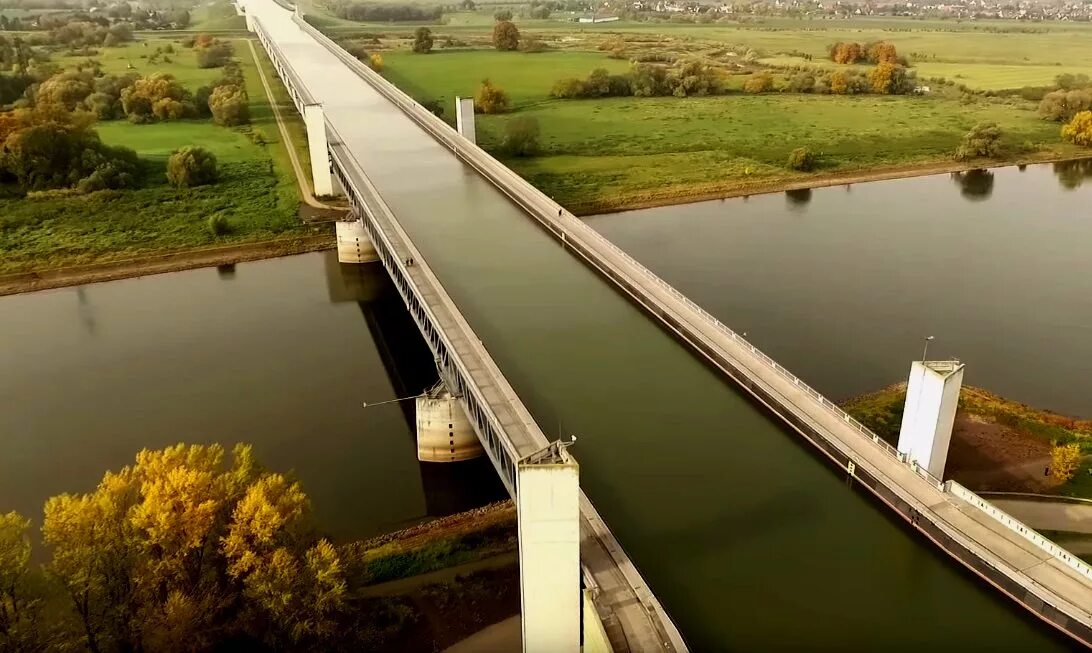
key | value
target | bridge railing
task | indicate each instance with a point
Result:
(521, 192)
(296, 88)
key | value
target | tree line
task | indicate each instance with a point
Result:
(385, 13)
(876, 52)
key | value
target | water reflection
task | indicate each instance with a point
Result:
(226, 271)
(798, 198)
(975, 185)
(448, 487)
(1071, 174)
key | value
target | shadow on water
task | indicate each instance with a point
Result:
(975, 185)
(1071, 174)
(449, 487)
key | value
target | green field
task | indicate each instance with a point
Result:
(257, 190)
(601, 154)
(215, 16)
(117, 61)
(526, 78)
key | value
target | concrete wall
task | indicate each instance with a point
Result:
(314, 119)
(464, 118)
(353, 244)
(932, 396)
(548, 513)
(595, 635)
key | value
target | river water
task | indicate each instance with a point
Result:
(280, 354)
(842, 284)
(748, 539)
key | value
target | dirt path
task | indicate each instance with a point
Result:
(301, 177)
(22, 282)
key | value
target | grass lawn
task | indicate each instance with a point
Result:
(527, 78)
(606, 153)
(257, 193)
(216, 16)
(262, 117)
(116, 61)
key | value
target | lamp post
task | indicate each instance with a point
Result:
(925, 353)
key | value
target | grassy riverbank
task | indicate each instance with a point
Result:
(997, 444)
(257, 189)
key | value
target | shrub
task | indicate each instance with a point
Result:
(219, 225)
(1064, 461)
(568, 89)
(191, 166)
(521, 136)
(490, 99)
(761, 83)
(502, 15)
(802, 159)
(984, 140)
(375, 62)
(422, 40)
(229, 106)
(214, 55)
(505, 36)
(1079, 130)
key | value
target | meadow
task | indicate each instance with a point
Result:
(256, 192)
(134, 58)
(609, 153)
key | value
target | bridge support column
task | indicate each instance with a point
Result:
(932, 396)
(444, 434)
(314, 119)
(548, 519)
(464, 118)
(353, 244)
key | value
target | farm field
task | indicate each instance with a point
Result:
(526, 78)
(215, 16)
(608, 153)
(256, 192)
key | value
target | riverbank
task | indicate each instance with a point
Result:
(441, 581)
(318, 238)
(736, 187)
(998, 445)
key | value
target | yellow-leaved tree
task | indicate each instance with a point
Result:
(163, 554)
(1065, 459)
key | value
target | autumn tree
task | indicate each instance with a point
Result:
(375, 62)
(521, 136)
(882, 52)
(18, 610)
(760, 83)
(183, 547)
(505, 36)
(422, 40)
(490, 99)
(229, 105)
(1065, 459)
(846, 52)
(215, 54)
(1079, 130)
(984, 140)
(1062, 105)
(68, 89)
(191, 166)
(890, 79)
(156, 97)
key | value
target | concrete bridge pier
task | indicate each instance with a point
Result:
(464, 118)
(548, 519)
(932, 396)
(444, 434)
(314, 118)
(353, 244)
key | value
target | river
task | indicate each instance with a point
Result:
(751, 542)
(280, 354)
(842, 284)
